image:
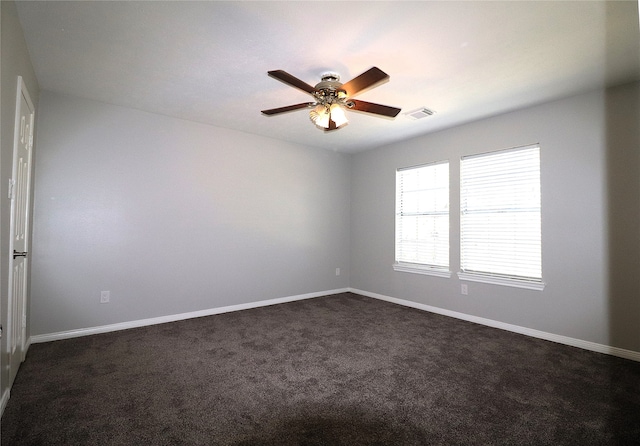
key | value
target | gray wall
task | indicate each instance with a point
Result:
(173, 216)
(15, 62)
(590, 230)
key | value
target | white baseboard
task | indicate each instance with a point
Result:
(175, 317)
(4, 400)
(586, 345)
(25, 348)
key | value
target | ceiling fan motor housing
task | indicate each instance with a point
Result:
(328, 90)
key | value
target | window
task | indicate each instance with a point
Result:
(500, 224)
(422, 219)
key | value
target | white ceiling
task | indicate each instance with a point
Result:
(208, 61)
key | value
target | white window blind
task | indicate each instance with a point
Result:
(500, 220)
(422, 215)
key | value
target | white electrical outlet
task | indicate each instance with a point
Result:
(464, 289)
(105, 296)
(337, 271)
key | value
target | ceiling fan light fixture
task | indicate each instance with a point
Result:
(338, 116)
(320, 116)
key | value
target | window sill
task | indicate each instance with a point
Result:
(505, 281)
(421, 269)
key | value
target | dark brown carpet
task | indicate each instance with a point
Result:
(335, 370)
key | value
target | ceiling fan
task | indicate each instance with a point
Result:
(332, 97)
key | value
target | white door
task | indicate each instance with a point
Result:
(19, 191)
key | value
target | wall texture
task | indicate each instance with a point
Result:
(172, 216)
(15, 62)
(589, 173)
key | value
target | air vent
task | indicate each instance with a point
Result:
(419, 113)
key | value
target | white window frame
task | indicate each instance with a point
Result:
(430, 193)
(497, 270)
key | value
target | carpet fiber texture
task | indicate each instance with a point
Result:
(335, 370)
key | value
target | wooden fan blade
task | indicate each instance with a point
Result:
(368, 79)
(370, 107)
(291, 80)
(288, 108)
